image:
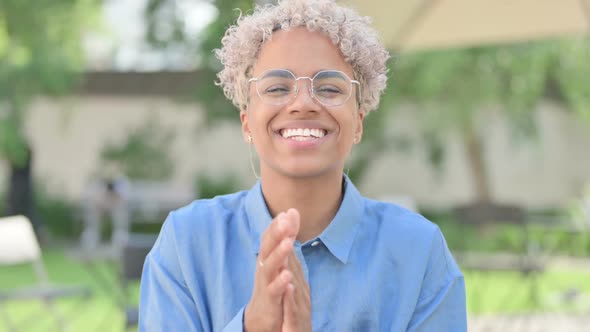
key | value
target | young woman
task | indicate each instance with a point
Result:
(302, 250)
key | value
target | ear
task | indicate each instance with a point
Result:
(245, 126)
(358, 132)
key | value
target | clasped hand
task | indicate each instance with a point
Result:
(281, 297)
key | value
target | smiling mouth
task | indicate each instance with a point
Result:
(303, 134)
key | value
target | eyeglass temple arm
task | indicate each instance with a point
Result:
(358, 101)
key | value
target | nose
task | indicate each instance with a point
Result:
(303, 100)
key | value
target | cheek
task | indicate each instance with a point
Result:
(348, 125)
(260, 119)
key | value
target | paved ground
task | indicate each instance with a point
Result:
(531, 323)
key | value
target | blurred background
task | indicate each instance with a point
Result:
(109, 119)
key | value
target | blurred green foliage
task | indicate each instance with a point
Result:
(579, 209)
(211, 97)
(60, 217)
(40, 53)
(547, 232)
(452, 85)
(145, 154)
(209, 186)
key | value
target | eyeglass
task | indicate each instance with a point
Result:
(279, 87)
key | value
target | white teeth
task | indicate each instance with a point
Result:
(303, 134)
(319, 133)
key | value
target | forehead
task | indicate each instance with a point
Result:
(301, 51)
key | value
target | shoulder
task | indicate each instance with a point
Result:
(403, 230)
(194, 233)
(202, 210)
(397, 220)
(205, 216)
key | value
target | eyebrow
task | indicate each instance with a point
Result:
(279, 72)
(333, 73)
(330, 73)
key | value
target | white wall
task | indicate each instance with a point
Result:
(67, 136)
(547, 171)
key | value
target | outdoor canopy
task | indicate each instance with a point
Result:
(415, 25)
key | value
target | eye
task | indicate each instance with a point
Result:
(328, 91)
(277, 90)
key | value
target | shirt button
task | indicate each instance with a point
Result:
(315, 243)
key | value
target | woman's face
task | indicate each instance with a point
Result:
(279, 132)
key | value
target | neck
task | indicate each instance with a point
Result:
(316, 198)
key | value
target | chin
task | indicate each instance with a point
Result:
(307, 171)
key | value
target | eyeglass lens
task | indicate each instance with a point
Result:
(329, 87)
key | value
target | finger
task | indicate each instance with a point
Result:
(271, 237)
(289, 307)
(302, 290)
(279, 229)
(295, 266)
(279, 285)
(277, 260)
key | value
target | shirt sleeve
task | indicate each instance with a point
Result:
(166, 303)
(441, 306)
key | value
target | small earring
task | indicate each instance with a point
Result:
(250, 139)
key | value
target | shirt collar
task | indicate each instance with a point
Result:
(341, 232)
(338, 237)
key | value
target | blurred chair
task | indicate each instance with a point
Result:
(134, 251)
(151, 201)
(107, 196)
(19, 245)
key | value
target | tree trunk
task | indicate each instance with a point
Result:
(477, 166)
(20, 198)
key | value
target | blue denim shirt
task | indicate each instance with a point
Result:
(376, 267)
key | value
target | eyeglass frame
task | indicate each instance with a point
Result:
(311, 90)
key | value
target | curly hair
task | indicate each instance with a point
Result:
(351, 33)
